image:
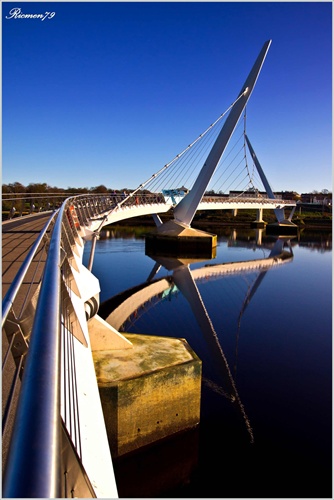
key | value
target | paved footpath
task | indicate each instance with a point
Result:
(18, 236)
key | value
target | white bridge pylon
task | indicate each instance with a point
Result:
(138, 203)
(185, 210)
(279, 212)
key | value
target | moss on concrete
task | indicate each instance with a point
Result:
(148, 392)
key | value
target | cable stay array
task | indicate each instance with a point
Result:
(235, 171)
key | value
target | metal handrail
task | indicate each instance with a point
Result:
(35, 449)
(36, 444)
(247, 199)
(37, 422)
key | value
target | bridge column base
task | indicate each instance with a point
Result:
(259, 222)
(285, 227)
(149, 392)
(172, 239)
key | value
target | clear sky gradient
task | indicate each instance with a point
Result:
(108, 93)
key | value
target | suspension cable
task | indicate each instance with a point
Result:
(143, 184)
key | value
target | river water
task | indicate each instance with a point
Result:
(263, 331)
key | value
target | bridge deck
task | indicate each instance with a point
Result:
(18, 236)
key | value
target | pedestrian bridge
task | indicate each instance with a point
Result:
(53, 420)
(53, 424)
(152, 204)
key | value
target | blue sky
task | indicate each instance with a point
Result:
(108, 93)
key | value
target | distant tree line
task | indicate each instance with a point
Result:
(44, 188)
(40, 196)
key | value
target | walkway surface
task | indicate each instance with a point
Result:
(18, 236)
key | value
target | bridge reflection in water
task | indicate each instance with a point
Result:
(124, 310)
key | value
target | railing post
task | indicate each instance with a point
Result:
(92, 252)
(95, 237)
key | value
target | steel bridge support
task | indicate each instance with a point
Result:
(282, 222)
(185, 210)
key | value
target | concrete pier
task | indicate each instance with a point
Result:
(149, 392)
(259, 222)
(177, 240)
(284, 227)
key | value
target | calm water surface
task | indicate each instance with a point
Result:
(266, 402)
